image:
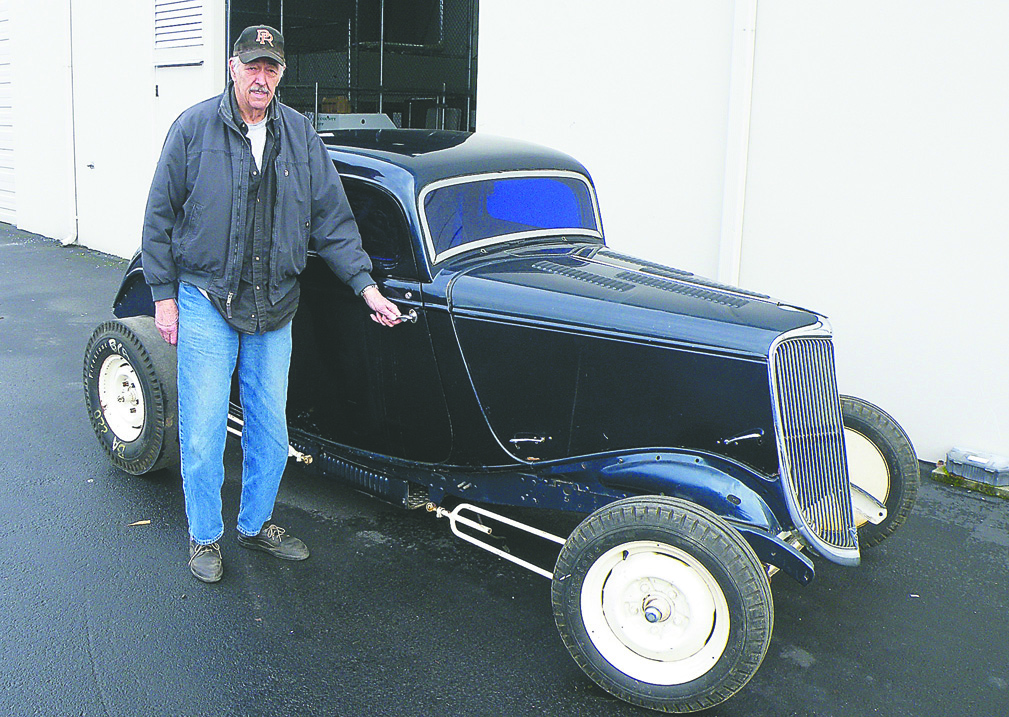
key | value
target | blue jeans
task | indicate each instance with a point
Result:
(208, 350)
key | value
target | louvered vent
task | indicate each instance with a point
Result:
(178, 23)
(679, 287)
(579, 275)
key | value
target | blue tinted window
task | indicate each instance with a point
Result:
(458, 214)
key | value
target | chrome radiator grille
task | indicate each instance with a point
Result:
(811, 439)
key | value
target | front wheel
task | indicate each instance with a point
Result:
(130, 390)
(882, 462)
(662, 604)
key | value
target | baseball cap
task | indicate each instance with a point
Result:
(260, 41)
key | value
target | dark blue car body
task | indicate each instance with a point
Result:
(698, 425)
(544, 369)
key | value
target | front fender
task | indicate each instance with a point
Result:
(724, 488)
(775, 551)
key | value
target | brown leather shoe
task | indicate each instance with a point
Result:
(274, 540)
(205, 561)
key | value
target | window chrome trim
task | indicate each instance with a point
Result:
(841, 556)
(503, 238)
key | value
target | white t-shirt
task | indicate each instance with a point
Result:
(257, 136)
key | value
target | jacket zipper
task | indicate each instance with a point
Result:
(228, 305)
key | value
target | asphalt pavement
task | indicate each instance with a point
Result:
(392, 615)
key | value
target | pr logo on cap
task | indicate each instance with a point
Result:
(260, 41)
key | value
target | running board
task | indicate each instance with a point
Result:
(455, 519)
(292, 452)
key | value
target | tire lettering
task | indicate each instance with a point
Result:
(100, 417)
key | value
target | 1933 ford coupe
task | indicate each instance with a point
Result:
(697, 426)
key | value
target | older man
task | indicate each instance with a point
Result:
(243, 188)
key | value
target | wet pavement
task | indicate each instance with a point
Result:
(392, 615)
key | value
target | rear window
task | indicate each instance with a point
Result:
(483, 210)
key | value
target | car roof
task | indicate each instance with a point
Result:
(432, 155)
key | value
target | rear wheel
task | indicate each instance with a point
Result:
(130, 390)
(662, 604)
(882, 462)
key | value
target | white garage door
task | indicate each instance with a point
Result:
(6, 118)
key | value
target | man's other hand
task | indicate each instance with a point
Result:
(166, 319)
(383, 311)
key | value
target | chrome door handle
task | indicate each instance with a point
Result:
(410, 316)
(537, 440)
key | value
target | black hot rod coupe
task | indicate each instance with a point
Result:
(697, 426)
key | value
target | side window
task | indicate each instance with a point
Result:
(383, 228)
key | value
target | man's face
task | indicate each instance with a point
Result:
(255, 84)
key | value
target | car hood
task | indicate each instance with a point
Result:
(600, 291)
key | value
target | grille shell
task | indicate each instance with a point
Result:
(810, 434)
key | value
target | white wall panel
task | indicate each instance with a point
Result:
(90, 126)
(8, 200)
(876, 193)
(638, 91)
(44, 148)
(113, 116)
(189, 59)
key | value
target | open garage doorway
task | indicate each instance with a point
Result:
(412, 60)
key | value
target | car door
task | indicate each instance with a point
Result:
(353, 381)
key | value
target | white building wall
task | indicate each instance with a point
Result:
(637, 91)
(8, 205)
(876, 192)
(93, 99)
(43, 118)
(875, 173)
(113, 113)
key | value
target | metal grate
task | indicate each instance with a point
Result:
(412, 60)
(812, 439)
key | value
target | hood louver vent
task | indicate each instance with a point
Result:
(678, 275)
(649, 266)
(675, 287)
(585, 276)
(701, 281)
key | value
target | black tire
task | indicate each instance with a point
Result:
(669, 554)
(131, 395)
(890, 474)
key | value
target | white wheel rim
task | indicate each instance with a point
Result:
(121, 398)
(866, 467)
(655, 613)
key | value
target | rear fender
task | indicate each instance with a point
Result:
(134, 295)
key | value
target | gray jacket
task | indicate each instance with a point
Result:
(196, 208)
